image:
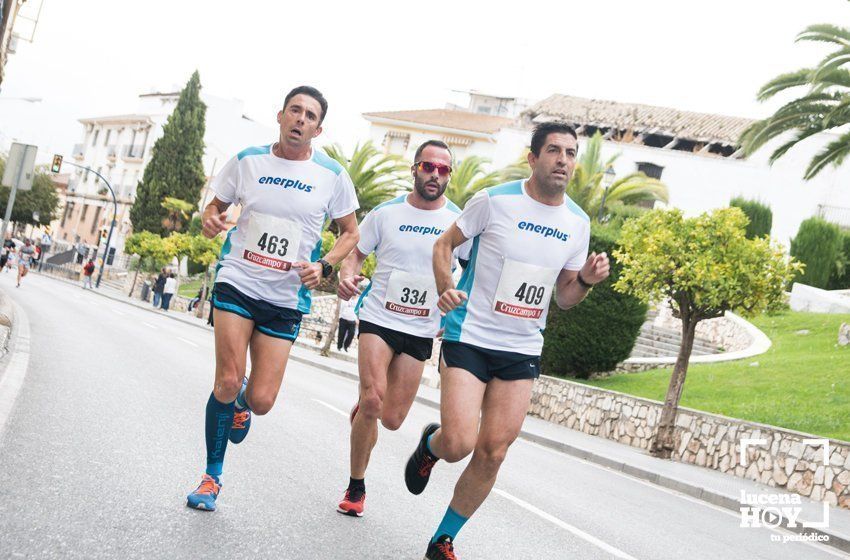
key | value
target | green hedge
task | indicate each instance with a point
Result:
(760, 215)
(840, 279)
(598, 333)
(818, 245)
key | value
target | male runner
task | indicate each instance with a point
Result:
(398, 311)
(25, 257)
(269, 263)
(528, 237)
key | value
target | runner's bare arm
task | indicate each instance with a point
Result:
(445, 244)
(349, 235)
(214, 218)
(569, 292)
(349, 274)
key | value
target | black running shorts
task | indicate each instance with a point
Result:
(271, 320)
(418, 347)
(486, 364)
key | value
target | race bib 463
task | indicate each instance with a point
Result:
(271, 242)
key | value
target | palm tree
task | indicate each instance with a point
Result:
(377, 177)
(585, 187)
(824, 106)
(470, 177)
(178, 213)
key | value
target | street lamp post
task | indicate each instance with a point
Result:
(111, 225)
(607, 181)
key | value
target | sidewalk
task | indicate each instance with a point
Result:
(704, 484)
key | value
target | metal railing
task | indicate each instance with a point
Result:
(112, 151)
(134, 151)
(839, 215)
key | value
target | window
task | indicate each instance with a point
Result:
(94, 137)
(396, 142)
(96, 220)
(83, 215)
(97, 177)
(485, 110)
(106, 138)
(68, 211)
(650, 169)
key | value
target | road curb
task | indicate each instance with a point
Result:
(15, 365)
(719, 499)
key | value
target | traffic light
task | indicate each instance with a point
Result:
(57, 163)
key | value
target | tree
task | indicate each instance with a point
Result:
(818, 245)
(178, 213)
(42, 198)
(377, 177)
(152, 252)
(176, 167)
(585, 187)
(204, 251)
(470, 177)
(824, 105)
(760, 216)
(705, 266)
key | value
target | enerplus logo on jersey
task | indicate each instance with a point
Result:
(285, 183)
(545, 231)
(421, 230)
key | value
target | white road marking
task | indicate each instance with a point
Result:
(148, 325)
(332, 407)
(564, 525)
(189, 342)
(118, 312)
(12, 379)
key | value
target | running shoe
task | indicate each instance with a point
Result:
(241, 420)
(418, 468)
(352, 503)
(205, 494)
(441, 549)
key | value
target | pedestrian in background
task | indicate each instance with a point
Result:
(168, 290)
(88, 271)
(45, 245)
(7, 250)
(347, 323)
(158, 286)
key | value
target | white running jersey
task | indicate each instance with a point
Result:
(519, 246)
(285, 204)
(402, 295)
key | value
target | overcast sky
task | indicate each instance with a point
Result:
(92, 58)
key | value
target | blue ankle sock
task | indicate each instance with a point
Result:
(242, 399)
(451, 525)
(428, 445)
(218, 424)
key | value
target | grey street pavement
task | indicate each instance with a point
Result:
(105, 439)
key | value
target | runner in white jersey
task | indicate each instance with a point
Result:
(528, 240)
(269, 263)
(398, 312)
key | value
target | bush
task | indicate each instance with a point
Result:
(598, 333)
(619, 213)
(760, 215)
(840, 279)
(818, 246)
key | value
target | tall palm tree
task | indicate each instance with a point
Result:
(585, 187)
(824, 106)
(470, 177)
(377, 177)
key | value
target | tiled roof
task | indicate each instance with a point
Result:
(446, 118)
(648, 119)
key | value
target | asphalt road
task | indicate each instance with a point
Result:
(106, 440)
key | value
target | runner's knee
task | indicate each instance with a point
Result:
(392, 420)
(371, 404)
(227, 387)
(455, 447)
(491, 454)
(261, 403)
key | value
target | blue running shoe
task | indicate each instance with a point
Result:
(241, 420)
(205, 494)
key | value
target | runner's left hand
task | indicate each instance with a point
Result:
(310, 273)
(596, 269)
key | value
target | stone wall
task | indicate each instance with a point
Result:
(722, 332)
(707, 440)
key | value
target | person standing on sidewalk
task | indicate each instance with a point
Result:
(347, 324)
(528, 237)
(45, 245)
(398, 311)
(168, 290)
(88, 271)
(158, 286)
(269, 263)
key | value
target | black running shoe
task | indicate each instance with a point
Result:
(418, 469)
(441, 549)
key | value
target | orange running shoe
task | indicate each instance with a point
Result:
(352, 503)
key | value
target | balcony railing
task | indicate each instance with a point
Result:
(79, 151)
(836, 214)
(112, 152)
(134, 151)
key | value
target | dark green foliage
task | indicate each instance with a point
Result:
(840, 279)
(42, 198)
(818, 246)
(598, 333)
(176, 168)
(760, 215)
(618, 213)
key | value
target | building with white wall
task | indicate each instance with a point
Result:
(119, 147)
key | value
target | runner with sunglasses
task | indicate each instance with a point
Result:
(528, 237)
(269, 264)
(398, 311)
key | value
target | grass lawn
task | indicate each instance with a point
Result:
(189, 288)
(801, 383)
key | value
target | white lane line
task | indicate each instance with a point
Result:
(148, 325)
(189, 342)
(823, 548)
(564, 525)
(118, 312)
(332, 407)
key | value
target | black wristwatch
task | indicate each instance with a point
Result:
(582, 283)
(327, 269)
